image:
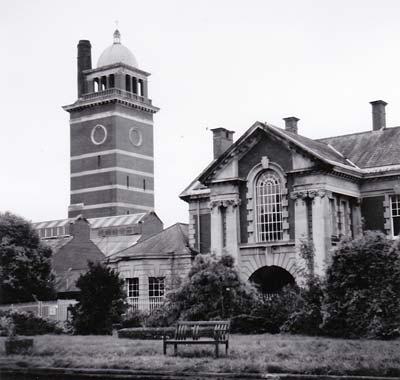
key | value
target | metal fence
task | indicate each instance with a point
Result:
(56, 310)
(145, 304)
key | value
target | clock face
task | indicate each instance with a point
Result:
(135, 136)
(99, 134)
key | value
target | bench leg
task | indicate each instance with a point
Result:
(226, 348)
(175, 349)
(165, 348)
(216, 350)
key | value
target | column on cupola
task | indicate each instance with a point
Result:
(321, 227)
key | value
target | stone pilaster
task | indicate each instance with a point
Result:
(232, 227)
(216, 228)
(321, 228)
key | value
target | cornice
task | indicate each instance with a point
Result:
(85, 104)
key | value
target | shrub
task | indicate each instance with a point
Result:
(26, 323)
(362, 292)
(305, 317)
(133, 318)
(276, 309)
(146, 333)
(101, 301)
(212, 290)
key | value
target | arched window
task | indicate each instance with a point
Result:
(269, 221)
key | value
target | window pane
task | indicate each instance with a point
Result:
(132, 287)
(269, 207)
(156, 286)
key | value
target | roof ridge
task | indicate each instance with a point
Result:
(355, 133)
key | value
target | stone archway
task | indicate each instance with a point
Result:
(271, 279)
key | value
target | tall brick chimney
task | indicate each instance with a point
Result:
(291, 124)
(84, 63)
(378, 115)
(222, 140)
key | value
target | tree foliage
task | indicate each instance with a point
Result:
(101, 301)
(25, 265)
(362, 292)
(213, 290)
(305, 316)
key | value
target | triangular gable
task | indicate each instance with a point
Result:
(313, 149)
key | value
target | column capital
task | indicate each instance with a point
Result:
(312, 193)
(224, 203)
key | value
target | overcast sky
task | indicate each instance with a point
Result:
(213, 64)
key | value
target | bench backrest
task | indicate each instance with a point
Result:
(192, 329)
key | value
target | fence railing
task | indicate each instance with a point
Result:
(56, 310)
(115, 91)
(143, 304)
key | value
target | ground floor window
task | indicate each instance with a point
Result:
(156, 286)
(132, 287)
(395, 212)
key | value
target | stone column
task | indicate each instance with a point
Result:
(216, 228)
(320, 226)
(232, 228)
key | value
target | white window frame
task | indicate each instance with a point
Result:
(268, 196)
(132, 287)
(156, 287)
(392, 211)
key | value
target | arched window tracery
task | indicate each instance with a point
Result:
(268, 207)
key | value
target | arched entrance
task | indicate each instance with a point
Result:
(271, 279)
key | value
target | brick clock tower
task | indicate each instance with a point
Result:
(111, 126)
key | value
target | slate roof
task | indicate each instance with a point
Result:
(76, 256)
(369, 149)
(106, 221)
(362, 153)
(110, 245)
(173, 239)
(313, 146)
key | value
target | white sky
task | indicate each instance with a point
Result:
(213, 63)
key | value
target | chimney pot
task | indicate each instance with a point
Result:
(378, 115)
(222, 140)
(291, 124)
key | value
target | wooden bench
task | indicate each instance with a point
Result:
(189, 332)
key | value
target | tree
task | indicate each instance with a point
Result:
(362, 292)
(212, 290)
(25, 263)
(101, 301)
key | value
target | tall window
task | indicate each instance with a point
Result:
(132, 287)
(269, 207)
(156, 287)
(395, 211)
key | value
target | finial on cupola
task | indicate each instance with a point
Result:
(117, 37)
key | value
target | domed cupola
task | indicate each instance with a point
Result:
(117, 53)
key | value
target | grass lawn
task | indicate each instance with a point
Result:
(248, 353)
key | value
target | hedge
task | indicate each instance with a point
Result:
(146, 333)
